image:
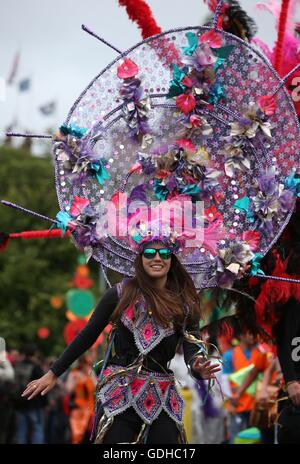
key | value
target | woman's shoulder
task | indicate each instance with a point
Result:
(110, 295)
(120, 285)
(115, 291)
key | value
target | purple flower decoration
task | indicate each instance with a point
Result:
(138, 193)
(209, 183)
(229, 262)
(77, 156)
(135, 109)
(86, 230)
(172, 184)
(287, 200)
(201, 58)
(146, 161)
(265, 226)
(131, 89)
(266, 206)
(160, 150)
(267, 182)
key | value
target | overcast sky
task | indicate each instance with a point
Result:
(61, 59)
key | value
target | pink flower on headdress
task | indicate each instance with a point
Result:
(186, 103)
(195, 120)
(135, 167)
(267, 104)
(127, 69)
(252, 237)
(218, 197)
(211, 214)
(115, 198)
(187, 81)
(175, 196)
(212, 235)
(187, 145)
(212, 38)
(162, 174)
(201, 58)
(188, 179)
(78, 206)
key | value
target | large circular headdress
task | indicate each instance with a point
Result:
(189, 137)
(194, 116)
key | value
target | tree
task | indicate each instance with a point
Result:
(32, 271)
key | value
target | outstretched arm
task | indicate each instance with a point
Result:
(87, 337)
(82, 342)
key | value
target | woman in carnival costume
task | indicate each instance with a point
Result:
(136, 387)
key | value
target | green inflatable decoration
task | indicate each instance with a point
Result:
(239, 376)
(80, 302)
(248, 437)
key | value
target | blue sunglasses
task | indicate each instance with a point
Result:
(150, 253)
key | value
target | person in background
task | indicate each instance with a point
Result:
(6, 401)
(29, 415)
(266, 395)
(212, 403)
(57, 429)
(81, 384)
(238, 362)
(14, 356)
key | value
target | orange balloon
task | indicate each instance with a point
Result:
(71, 317)
(82, 271)
(56, 302)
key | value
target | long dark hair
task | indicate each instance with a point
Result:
(166, 304)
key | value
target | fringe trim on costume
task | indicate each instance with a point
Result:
(141, 438)
(203, 352)
(96, 420)
(137, 364)
(105, 424)
(182, 434)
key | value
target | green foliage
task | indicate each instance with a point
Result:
(32, 271)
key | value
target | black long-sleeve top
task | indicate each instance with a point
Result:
(287, 333)
(125, 348)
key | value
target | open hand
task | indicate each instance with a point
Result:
(205, 369)
(41, 385)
